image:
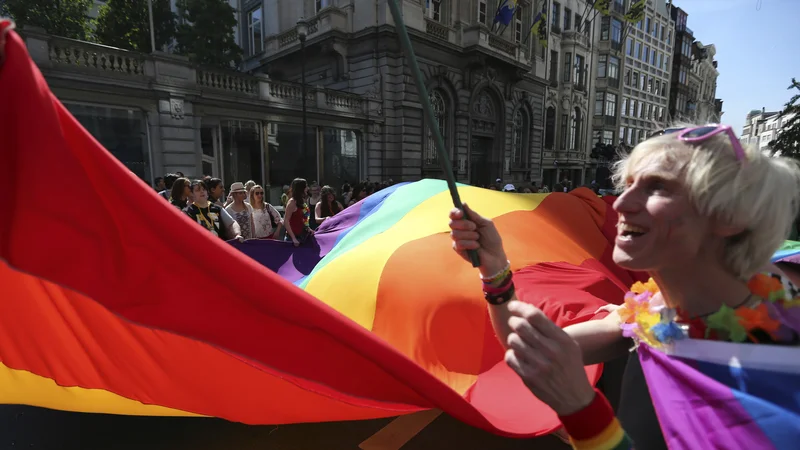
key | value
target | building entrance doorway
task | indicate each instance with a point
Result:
(480, 173)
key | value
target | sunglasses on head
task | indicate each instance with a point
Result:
(696, 135)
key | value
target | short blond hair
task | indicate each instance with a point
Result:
(759, 195)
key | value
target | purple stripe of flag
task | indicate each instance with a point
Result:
(695, 411)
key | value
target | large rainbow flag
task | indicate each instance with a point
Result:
(113, 301)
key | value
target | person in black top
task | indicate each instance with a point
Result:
(181, 191)
(211, 216)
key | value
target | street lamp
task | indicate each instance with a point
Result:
(302, 33)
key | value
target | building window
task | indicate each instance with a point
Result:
(518, 26)
(577, 129)
(627, 77)
(621, 137)
(669, 38)
(641, 81)
(605, 26)
(660, 60)
(319, 4)
(611, 104)
(440, 114)
(340, 150)
(241, 158)
(602, 65)
(646, 53)
(616, 31)
(647, 26)
(613, 67)
(556, 15)
(598, 103)
(120, 131)
(553, 66)
(634, 107)
(567, 68)
(658, 87)
(564, 124)
(624, 109)
(579, 70)
(577, 22)
(255, 31)
(567, 19)
(637, 52)
(482, 11)
(629, 47)
(608, 137)
(435, 10)
(520, 139)
(653, 57)
(550, 128)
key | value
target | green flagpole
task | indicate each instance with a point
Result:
(444, 158)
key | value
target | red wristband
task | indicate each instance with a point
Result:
(591, 420)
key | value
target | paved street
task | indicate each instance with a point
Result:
(24, 427)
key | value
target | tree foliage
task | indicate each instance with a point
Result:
(126, 24)
(67, 18)
(205, 32)
(788, 141)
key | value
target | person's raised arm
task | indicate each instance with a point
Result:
(600, 340)
(479, 233)
(231, 226)
(318, 213)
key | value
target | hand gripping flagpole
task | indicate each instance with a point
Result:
(444, 158)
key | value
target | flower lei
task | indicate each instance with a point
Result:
(776, 318)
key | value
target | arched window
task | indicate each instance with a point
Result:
(519, 139)
(430, 157)
(550, 128)
(575, 135)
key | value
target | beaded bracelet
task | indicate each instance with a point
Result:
(494, 279)
(499, 287)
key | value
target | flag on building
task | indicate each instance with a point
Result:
(539, 28)
(635, 13)
(602, 6)
(505, 12)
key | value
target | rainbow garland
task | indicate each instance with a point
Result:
(775, 319)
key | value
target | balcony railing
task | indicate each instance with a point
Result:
(98, 63)
(436, 29)
(84, 56)
(576, 37)
(501, 44)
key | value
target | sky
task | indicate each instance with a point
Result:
(757, 51)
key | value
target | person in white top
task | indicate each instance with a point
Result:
(241, 212)
(267, 220)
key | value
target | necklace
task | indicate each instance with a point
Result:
(647, 319)
(206, 220)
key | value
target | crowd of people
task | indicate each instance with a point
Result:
(245, 212)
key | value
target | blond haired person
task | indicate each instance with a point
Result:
(699, 213)
(267, 220)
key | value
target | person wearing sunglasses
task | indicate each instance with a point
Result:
(267, 222)
(699, 213)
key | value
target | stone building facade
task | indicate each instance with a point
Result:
(158, 114)
(483, 81)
